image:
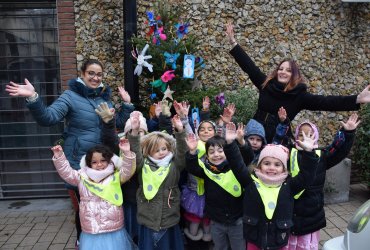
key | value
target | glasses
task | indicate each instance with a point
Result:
(92, 74)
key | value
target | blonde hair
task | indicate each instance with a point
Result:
(150, 143)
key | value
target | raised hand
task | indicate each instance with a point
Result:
(230, 133)
(135, 125)
(24, 90)
(229, 112)
(176, 123)
(282, 114)
(158, 108)
(124, 95)
(105, 113)
(308, 143)
(206, 103)
(124, 145)
(166, 106)
(240, 133)
(352, 122)
(364, 96)
(192, 142)
(57, 150)
(230, 33)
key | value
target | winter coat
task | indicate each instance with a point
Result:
(82, 125)
(258, 229)
(96, 214)
(272, 97)
(163, 211)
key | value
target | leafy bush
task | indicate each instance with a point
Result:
(361, 154)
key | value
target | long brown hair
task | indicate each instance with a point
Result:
(295, 79)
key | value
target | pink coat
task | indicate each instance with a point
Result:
(96, 214)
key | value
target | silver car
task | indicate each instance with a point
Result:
(358, 232)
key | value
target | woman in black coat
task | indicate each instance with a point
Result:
(285, 87)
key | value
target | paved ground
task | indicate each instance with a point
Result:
(49, 223)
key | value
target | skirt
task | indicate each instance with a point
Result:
(165, 239)
(192, 202)
(108, 241)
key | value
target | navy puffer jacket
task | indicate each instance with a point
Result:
(82, 125)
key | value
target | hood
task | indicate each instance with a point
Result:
(314, 128)
(255, 128)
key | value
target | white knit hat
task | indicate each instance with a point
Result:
(142, 120)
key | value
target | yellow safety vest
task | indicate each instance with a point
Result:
(200, 181)
(269, 196)
(152, 180)
(294, 167)
(225, 180)
(110, 192)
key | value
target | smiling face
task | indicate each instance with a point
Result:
(98, 162)
(216, 155)
(284, 73)
(206, 131)
(92, 76)
(271, 166)
(160, 151)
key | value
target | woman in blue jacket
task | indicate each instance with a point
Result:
(76, 106)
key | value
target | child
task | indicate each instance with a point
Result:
(223, 193)
(309, 213)
(192, 196)
(98, 182)
(159, 163)
(269, 191)
(255, 135)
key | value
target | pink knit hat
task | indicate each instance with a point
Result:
(276, 151)
(142, 119)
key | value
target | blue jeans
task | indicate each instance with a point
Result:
(226, 236)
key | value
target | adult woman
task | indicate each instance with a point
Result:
(77, 106)
(285, 87)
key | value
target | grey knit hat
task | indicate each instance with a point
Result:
(255, 128)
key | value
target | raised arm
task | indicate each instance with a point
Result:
(128, 167)
(65, 171)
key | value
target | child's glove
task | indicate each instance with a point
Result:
(105, 113)
(166, 106)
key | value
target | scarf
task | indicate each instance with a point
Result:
(275, 180)
(164, 161)
(99, 175)
(216, 168)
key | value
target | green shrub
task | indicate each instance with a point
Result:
(361, 153)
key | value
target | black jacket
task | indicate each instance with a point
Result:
(309, 213)
(258, 229)
(272, 97)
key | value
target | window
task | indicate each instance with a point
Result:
(28, 49)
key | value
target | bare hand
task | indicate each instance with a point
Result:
(57, 150)
(124, 95)
(105, 113)
(230, 33)
(26, 90)
(352, 122)
(192, 142)
(282, 114)
(229, 111)
(206, 103)
(230, 133)
(124, 145)
(308, 143)
(364, 96)
(240, 133)
(176, 123)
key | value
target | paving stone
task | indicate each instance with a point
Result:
(333, 232)
(24, 248)
(51, 213)
(19, 220)
(3, 214)
(338, 222)
(47, 237)
(53, 228)
(62, 237)
(35, 232)
(15, 239)
(9, 246)
(36, 214)
(41, 246)
(56, 246)
(29, 241)
(66, 212)
(11, 227)
(41, 226)
(59, 218)
(23, 230)
(39, 219)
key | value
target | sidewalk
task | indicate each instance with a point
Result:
(49, 223)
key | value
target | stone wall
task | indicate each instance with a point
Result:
(329, 40)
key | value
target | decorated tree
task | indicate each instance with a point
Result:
(166, 57)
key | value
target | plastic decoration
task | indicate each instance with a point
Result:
(141, 61)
